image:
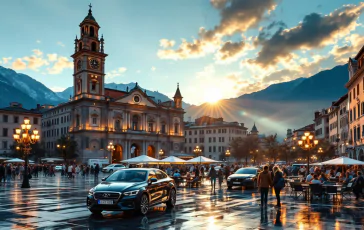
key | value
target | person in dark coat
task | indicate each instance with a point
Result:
(277, 184)
(2, 173)
(358, 185)
(97, 170)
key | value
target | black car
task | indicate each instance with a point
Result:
(132, 189)
(246, 177)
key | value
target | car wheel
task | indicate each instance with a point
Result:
(96, 211)
(111, 171)
(230, 187)
(172, 198)
(144, 204)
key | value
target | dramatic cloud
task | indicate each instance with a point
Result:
(315, 31)
(165, 43)
(18, 64)
(115, 73)
(59, 65)
(230, 51)
(237, 16)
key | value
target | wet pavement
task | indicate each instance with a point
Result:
(59, 203)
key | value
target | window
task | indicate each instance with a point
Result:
(219, 131)
(202, 140)
(214, 149)
(150, 127)
(117, 124)
(209, 139)
(5, 132)
(77, 120)
(61, 120)
(5, 118)
(190, 132)
(92, 32)
(135, 122)
(190, 140)
(214, 139)
(16, 119)
(5, 145)
(358, 110)
(93, 85)
(195, 140)
(94, 120)
(357, 89)
(219, 148)
(195, 132)
(354, 113)
(176, 128)
(163, 128)
(354, 94)
(351, 115)
(190, 148)
(214, 130)
(223, 139)
(210, 149)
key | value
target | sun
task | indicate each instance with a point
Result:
(212, 95)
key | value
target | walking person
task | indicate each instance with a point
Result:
(8, 172)
(69, 170)
(220, 175)
(2, 173)
(264, 181)
(358, 185)
(212, 175)
(278, 184)
(97, 170)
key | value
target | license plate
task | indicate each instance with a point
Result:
(236, 182)
(105, 202)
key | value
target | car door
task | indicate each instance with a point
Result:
(152, 187)
(162, 185)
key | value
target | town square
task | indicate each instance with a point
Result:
(215, 114)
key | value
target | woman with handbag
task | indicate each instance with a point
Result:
(278, 184)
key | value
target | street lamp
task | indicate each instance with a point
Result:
(63, 147)
(161, 152)
(308, 142)
(198, 151)
(111, 148)
(26, 137)
(227, 154)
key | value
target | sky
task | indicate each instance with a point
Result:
(214, 49)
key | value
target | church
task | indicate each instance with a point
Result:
(108, 123)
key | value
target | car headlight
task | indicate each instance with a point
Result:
(91, 191)
(228, 179)
(131, 193)
(249, 178)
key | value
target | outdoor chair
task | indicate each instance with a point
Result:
(297, 189)
(316, 189)
(347, 190)
(291, 186)
(331, 190)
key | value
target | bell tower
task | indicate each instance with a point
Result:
(89, 60)
(178, 98)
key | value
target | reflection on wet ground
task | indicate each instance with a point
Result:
(59, 203)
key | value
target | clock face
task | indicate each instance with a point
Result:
(94, 64)
(79, 65)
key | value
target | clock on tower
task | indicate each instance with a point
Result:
(89, 60)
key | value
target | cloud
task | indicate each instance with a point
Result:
(230, 51)
(18, 64)
(37, 52)
(153, 68)
(165, 43)
(57, 89)
(115, 73)
(314, 31)
(52, 57)
(61, 44)
(237, 16)
(34, 63)
(59, 65)
(6, 60)
(207, 72)
(38, 41)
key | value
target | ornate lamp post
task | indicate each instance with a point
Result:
(26, 137)
(227, 154)
(111, 148)
(308, 142)
(161, 152)
(198, 151)
(63, 148)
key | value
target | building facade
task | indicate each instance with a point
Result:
(132, 121)
(212, 135)
(321, 120)
(10, 119)
(355, 87)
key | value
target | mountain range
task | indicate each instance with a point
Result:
(274, 109)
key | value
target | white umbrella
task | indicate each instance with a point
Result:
(51, 159)
(202, 160)
(17, 160)
(142, 159)
(173, 160)
(342, 161)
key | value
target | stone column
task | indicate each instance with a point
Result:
(144, 150)
(125, 150)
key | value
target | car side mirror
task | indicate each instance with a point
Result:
(153, 180)
(103, 179)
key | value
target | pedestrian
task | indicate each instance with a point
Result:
(8, 172)
(2, 173)
(278, 184)
(212, 175)
(220, 175)
(358, 185)
(97, 170)
(69, 170)
(264, 181)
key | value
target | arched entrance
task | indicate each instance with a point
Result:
(117, 154)
(151, 151)
(134, 150)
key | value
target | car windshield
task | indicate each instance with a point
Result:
(246, 171)
(128, 176)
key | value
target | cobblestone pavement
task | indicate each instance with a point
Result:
(59, 203)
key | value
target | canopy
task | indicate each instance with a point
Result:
(201, 160)
(52, 159)
(173, 160)
(17, 160)
(342, 161)
(142, 159)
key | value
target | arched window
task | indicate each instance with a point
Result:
(80, 46)
(176, 128)
(117, 124)
(163, 127)
(135, 122)
(94, 85)
(92, 31)
(93, 46)
(79, 86)
(82, 31)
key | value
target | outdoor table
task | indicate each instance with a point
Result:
(306, 188)
(338, 186)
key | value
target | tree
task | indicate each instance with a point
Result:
(67, 148)
(272, 147)
(328, 150)
(242, 148)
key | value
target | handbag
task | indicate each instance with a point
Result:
(280, 184)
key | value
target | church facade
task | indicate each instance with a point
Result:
(133, 122)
